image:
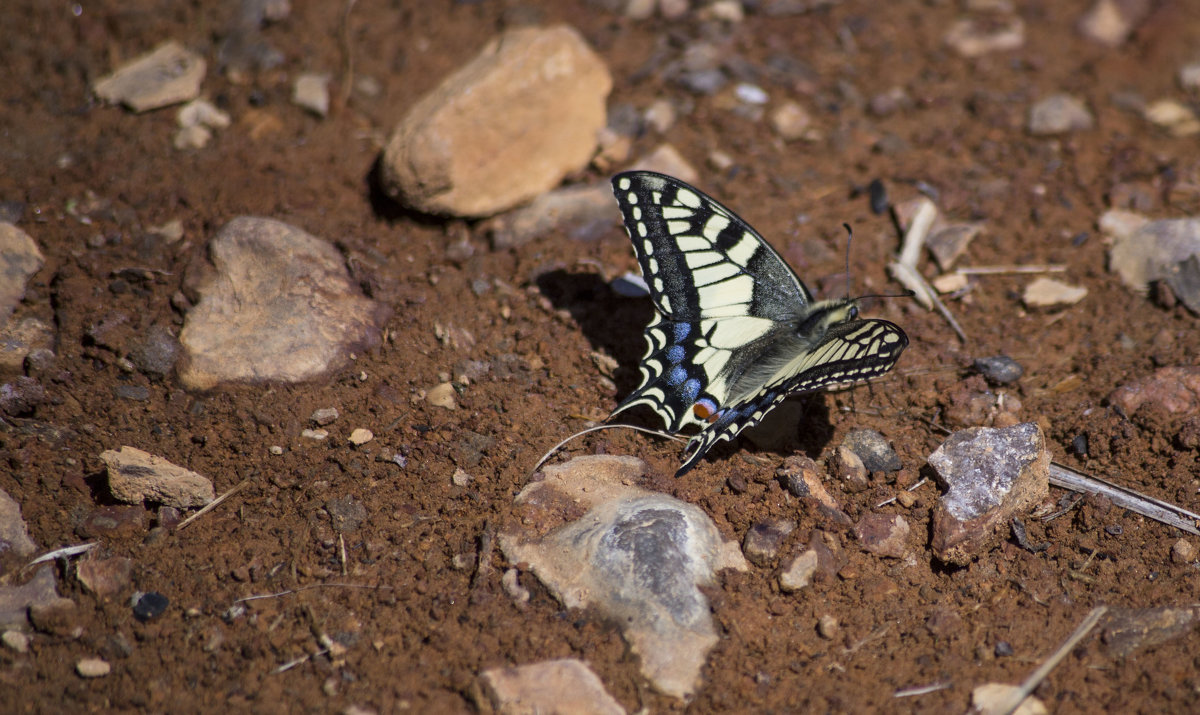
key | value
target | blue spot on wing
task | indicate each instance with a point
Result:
(675, 354)
(690, 389)
(681, 331)
(676, 376)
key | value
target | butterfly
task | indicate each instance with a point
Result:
(734, 330)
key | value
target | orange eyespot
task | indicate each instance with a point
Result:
(705, 410)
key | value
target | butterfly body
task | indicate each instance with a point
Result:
(734, 330)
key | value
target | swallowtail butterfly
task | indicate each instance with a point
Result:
(734, 329)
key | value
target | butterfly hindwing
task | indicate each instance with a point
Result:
(734, 331)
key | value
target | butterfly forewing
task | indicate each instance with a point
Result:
(734, 330)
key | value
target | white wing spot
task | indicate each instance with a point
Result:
(699, 259)
(624, 185)
(670, 212)
(691, 243)
(642, 230)
(744, 250)
(677, 227)
(647, 246)
(687, 198)
(714, 225)
(715, 274)
(653, 263)
(736, 290)
(636, 213)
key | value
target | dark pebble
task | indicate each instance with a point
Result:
(155, 352)
(1003, 649)
(1079, 445)
(999, 369)
(149, 605)
(874, 451)
(21, 396)
(878, 196)
(139, 393)
(1114, 529)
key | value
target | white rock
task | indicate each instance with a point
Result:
(666, 159)
(192, 138)
(1174, 116)
(660, 115)
(360, 436)
(798, 574)
(552, 686)
(169, 75)
(1059, 114)
(92, 668)
(442, 395)
(314, 434)
(993, 699)
(1152, 251)
(1110, 22)
(311, 91)
(135, 476)
(790, 121)
(15, 641)
(1046, 292)
(202, 113)
(1189, 77)
(278, 305)
(637, 557)
(971, 38)
(468, 147)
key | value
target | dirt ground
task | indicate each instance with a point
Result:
(414, 619)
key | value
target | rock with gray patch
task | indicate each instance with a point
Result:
(553, 686)
(990, 476)
(637, 557)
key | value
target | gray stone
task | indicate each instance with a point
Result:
(15, 601)
(1125, 630)
(999, 369)
(874, 451)
(990, 476)
(346, 513)
(635, 556)
(1059, 114)
(19, 260)
(155, 352)
(14, 537)
(581, 212)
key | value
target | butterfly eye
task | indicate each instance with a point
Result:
(853, 312)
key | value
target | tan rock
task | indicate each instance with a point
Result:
(504, 128)
(278, 305)
(169, 75)
(135, 476)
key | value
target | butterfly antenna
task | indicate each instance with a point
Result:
(849, 238)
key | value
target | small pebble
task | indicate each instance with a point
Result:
(1079, 445)
(460, 478)
(147, 606)
(827, 627)
(275, 450)
(317, 434)
(324, 416)
(16, 641)
(442, 395)
(361, 436)
(1183, 552)
(311, 92)
(999, 369)
(1003, 649)
(92, 668)
(874, 451)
